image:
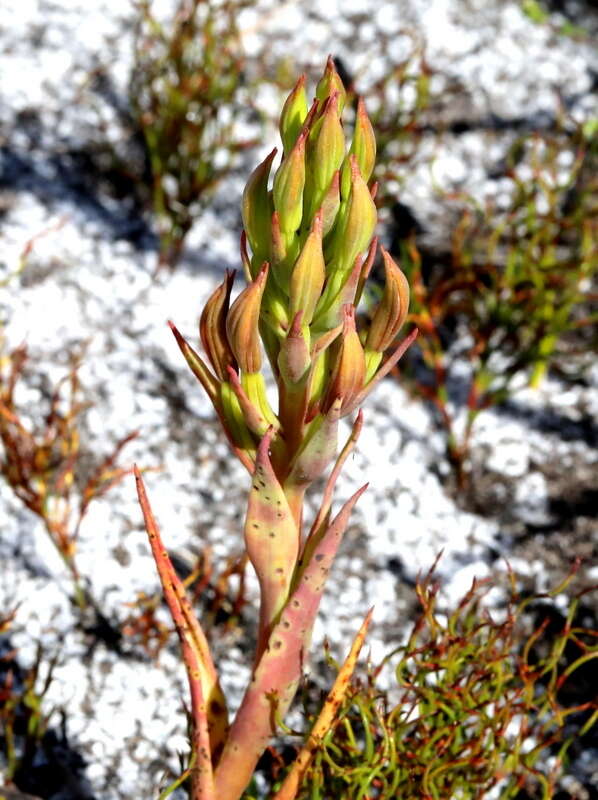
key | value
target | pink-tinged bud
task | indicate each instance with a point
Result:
(326, 147)
(363, 147)
(331, 204)
(277, 244)
(242, 324)
(256, 208)
(289, 183)
(293, 115)
(294, 358)
(348, 371)
(212, 329)
(331, 82)
(391, 314)
(318, 448)
(309, 274)
(357, 224)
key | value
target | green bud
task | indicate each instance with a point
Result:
(255, 389)
(363, 147)
(242, 324)
(331, 82)
(357, 223)
(309, 274)
(252, 414)
(293, 115)
(330, 204)
(289, 183)
(326, 146)
(234, 422)
(283, 252)
(256, 208)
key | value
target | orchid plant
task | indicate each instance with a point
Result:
(307, 248)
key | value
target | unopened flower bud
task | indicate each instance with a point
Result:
(293, 115)
(392, 311)
(212, 329)
(283, 252)
(294, 358)
(242, 324)
(331, 82)
(287, 191)
(256, 208)
(363, 147)
(330, 204)
(326, 146)
(357, 224)
(318, 448)
(348, 372)
(309, 274)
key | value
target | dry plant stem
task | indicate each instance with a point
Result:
(324, 722)
(41, 466)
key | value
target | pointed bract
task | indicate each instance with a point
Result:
(242, 324)
(212, 329)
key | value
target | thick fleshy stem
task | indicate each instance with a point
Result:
(274, 681)
(271, 541)
(325, 720)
